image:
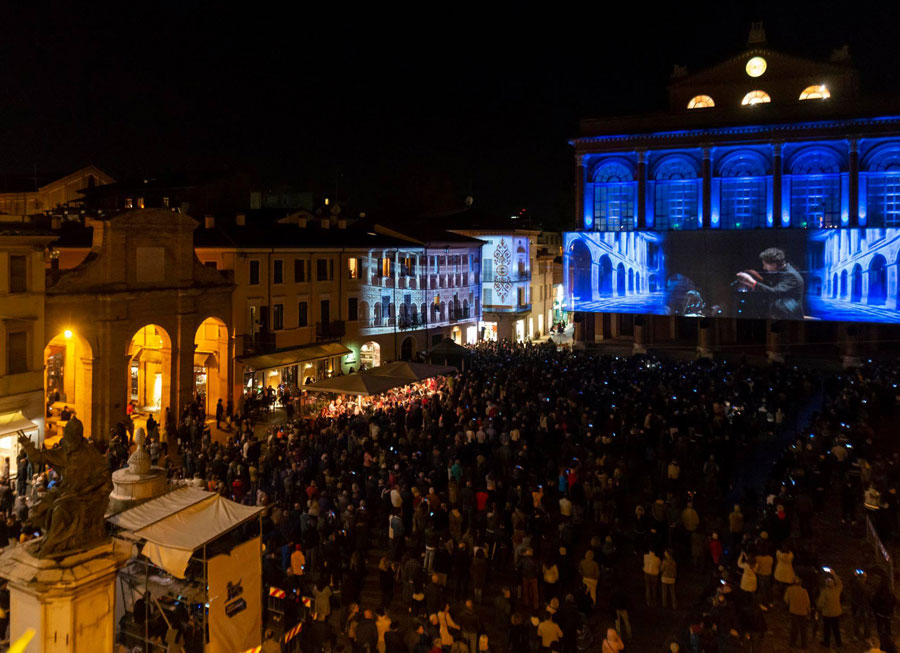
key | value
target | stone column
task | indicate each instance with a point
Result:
(776, 185)
(774, 342)
(640, 345)
(642, 190)
(854, 182)
(705, 338)
(850, 350)
(580, 181)
(86, 374)
(706, 172)
(68, 602)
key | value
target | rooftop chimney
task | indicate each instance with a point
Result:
(209, 221)
(240, 219)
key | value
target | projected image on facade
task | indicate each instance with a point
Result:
(788, 274)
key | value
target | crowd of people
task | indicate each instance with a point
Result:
(510, 507)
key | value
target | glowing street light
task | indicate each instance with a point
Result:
(68, 334)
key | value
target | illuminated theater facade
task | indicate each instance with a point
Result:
(765, 142)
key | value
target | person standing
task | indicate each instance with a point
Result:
(829, 604)
(590, 574)
(668, 573)
(220, 412)
(784, 567)
(797, 600)
(652, 565)
(764, 563)
(529, 570)
(736, 527)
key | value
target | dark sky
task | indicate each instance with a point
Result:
(416, 107)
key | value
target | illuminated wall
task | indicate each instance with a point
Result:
(829, 274)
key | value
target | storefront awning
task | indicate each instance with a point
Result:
(15, 421)
(145, 355)
(293, 356)
(205, 359)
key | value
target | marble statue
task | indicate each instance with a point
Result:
(70, 515)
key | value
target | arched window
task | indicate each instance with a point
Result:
(701, 102)
(676, 194)
(816, 189)
(756, 97)
(815, 92)
(614, 197)
(882, 172)
(743, 191)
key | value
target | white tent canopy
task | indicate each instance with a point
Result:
(176, 524)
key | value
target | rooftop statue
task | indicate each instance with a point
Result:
(70, 515)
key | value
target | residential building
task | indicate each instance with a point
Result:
(22, 312)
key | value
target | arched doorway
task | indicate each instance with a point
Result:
(407, 348)
(652, 283)
(68, 377)
(877, 280)
(604, 277)
(149, 372)
(369, 355)
(630, 281)
(210, 364)
(844, 284)
(856, 283)
(637, 282)
(620, 279)
(834, 286)
(580, 271)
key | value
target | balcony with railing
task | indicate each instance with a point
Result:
(257, 343)
(331, 330)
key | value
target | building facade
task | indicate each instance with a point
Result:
(762, 141)
(22, 315)
(315, 297)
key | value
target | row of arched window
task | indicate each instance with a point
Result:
(814, 92)
(814, 181)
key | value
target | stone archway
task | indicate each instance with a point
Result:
(211, 364)
(149, 371)
(68, 371)
(877, 294)
(856, 283)
(370, 355)
(408, 348)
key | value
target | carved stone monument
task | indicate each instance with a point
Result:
(62, 584)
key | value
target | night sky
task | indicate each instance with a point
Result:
(406, 111)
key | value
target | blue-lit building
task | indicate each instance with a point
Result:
(761, 141)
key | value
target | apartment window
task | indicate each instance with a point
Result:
(254, 273)
(17, 348)
(488, 297)
(129, 203)
(330, 269)
(277, 317)
(165, 202)
(278, 271)
(321, 269)
(300, 275)
(303, 315)
(386, 306)
(325, 311)
(352, 309)
(386, 267)
(353, 268)
(18, 274)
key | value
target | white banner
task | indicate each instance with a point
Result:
(235, 603)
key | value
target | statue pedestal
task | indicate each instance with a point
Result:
(68, 601)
